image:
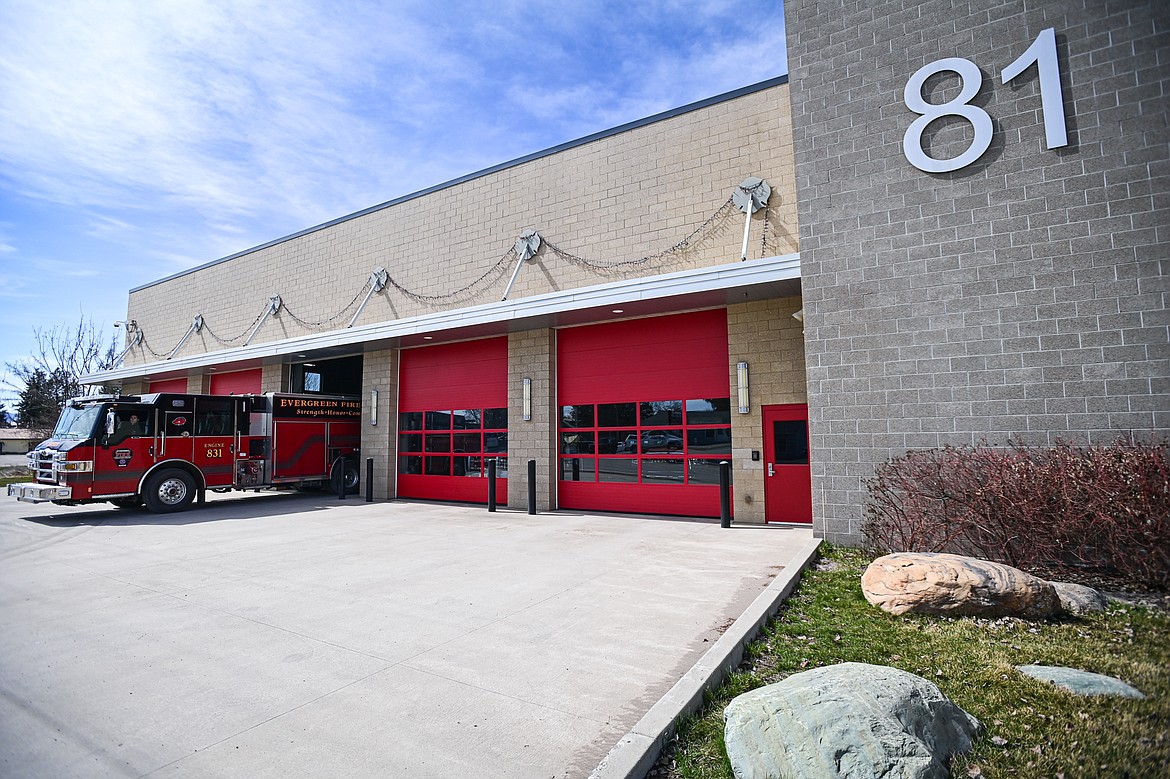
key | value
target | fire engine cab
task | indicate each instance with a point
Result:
(167, 449)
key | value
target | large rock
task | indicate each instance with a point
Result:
(1078, 599)
(847, 720)
(1080, 682)
(947, 584)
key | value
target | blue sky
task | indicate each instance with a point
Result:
(138, 138)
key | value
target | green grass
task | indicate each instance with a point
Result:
(12, 475)
(1031, 729)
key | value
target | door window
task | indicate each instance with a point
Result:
(453, 443)
(660, 442)
(790, 442)
(130, 423)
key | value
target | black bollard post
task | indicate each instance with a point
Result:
(532, 486)
(724, 494)
(369, 480)
(491, 476)
(341, 479)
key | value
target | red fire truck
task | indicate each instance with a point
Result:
(166, 449)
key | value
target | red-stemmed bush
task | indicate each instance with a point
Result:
(1104, 509)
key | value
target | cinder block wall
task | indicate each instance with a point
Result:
(764, 334)
(1022, 297)
(621, 197)
(532, 354)
(380, 372)
(274, 378)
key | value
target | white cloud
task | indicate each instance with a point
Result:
(218, 124)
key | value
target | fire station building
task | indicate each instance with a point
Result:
(948, 224)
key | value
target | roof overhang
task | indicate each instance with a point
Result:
(765, 278)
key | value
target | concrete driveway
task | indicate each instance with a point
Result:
(297, 636)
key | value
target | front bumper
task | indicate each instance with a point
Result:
(31, 492)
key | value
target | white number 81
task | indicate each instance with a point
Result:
(1042, 52)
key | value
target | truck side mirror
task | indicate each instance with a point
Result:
(110, 421)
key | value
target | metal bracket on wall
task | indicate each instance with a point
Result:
(196, 326)
(133, 338)
(273, 307)
(750, 196)
(527, 245)
(376, 283)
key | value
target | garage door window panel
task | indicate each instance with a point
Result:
(453, 442)
(617, 415)
(578, 442)
(619, 470)
(577, 416)
(661, 470)
(579, 469)
(635, 455)
(703, 472)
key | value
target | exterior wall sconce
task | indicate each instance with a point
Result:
(373, 407)
(741, 387)
(526, 400)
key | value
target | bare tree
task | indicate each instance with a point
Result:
(64, 354)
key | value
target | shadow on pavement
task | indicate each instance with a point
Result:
(215, 510)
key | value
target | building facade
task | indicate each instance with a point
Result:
(625, 310)
(1021, 296)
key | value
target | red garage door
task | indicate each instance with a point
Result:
(236, 383)
(452, 420)
(645, 414)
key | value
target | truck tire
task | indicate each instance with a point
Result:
(169, 490)
(352, 477)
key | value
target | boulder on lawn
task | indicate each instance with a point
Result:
(953, 585)
(1078, 599)
(1080, 682)
(847, 720)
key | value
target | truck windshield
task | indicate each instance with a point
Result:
(77, 424)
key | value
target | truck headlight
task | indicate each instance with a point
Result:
(75, 466)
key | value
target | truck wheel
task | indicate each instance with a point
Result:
(169, 490)
(352, 478)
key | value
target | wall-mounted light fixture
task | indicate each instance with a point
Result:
(373, 406)
(798, 315)
(526, 400)
(741, 387)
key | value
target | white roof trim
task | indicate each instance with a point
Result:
(720, 277)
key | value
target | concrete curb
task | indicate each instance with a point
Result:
(635, 754)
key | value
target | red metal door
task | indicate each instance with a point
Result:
(177, 435)
(645, 414)
(214, 446)
(787, 476)
(298, 450)
(236, 382)
(121, 458)
(452, 420)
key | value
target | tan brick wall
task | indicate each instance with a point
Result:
(765, 335)
(623, 197)
(274, 378)
(532, 354)
(380, 372)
